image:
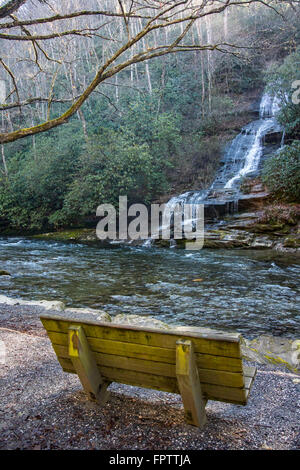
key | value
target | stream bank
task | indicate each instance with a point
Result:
(264, 349)
(245, 229)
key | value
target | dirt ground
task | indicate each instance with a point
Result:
(41, 407)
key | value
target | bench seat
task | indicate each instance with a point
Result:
(199, 366)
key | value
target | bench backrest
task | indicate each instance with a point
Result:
(147, 358)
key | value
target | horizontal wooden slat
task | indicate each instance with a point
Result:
(151, 353)
(146, 358)
(138, 379)
(229, 379)
(165, 384)
(215, 335)
(218, 345)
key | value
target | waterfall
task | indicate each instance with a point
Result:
(269, 107)
(241, 159)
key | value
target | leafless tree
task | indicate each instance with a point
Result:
(43, 41)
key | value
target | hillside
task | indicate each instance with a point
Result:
(154, 130)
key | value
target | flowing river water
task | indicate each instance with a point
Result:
(253, 292)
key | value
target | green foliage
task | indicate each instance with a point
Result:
(280, 80)
(290, 119)
(64, 181)
(281, 173)
(112, 165)
(38, 179)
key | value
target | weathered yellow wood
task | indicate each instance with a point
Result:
(150, 353)
(227, 345)
(218, 336)
(229, 379)
(147, 358)
(85, 365)
(137, 379)
(165, 384)
(189, 384)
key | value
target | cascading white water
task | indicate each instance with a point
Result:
(269, 107)
(241, 159)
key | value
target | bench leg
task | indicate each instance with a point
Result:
(189, 384)
(85, 365)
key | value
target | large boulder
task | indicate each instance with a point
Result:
(87, 314)
(4, 273)
(227, 239)
(46, 304)
(273, 350)
(252, 202)
(140, 320)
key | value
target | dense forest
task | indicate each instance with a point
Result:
(155, 128)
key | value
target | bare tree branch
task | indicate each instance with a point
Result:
(77, 14)
(10, 7)
(142, 21)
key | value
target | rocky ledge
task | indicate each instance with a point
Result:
(245, 230)
(242, 231)
(249, 228)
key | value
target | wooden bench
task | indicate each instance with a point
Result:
(199, 366)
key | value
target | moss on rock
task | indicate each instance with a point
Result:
(292, 242)
(78, 235)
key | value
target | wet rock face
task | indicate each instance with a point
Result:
(250, 202)
(292, 241)
(228, 238)
(78, 235)
(244, 237)
(273, 138)
(246, 230)
(258, 188)
(217, 210)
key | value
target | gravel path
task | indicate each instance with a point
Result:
(42, 407)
